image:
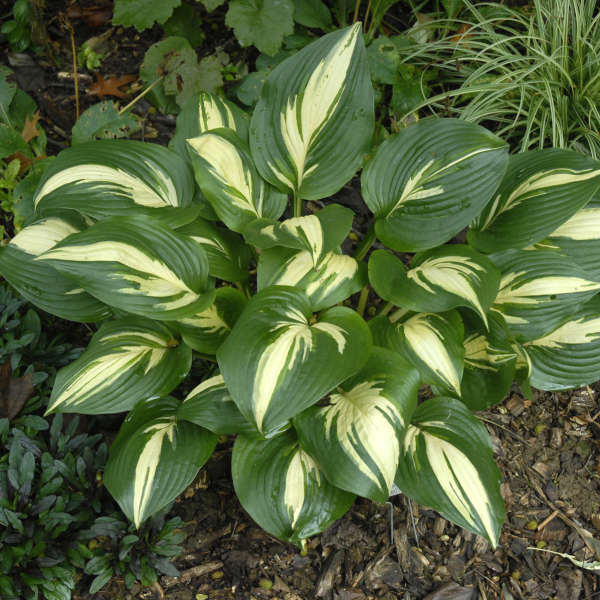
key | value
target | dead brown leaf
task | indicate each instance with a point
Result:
(110, 86)
(14, 392)
(30, 130)
(93, 16)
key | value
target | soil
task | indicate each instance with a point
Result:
(547, 448)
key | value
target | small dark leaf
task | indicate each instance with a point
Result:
(14, 391)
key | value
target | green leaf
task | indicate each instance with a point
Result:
(107, 178)
(539, 289)
(314, 120)
(103, 121)
(263, 23)
(138, 266)
(438, 280)
(205, 112)
(276, 362)
(227, 177)
(154, 458)
(282, 488)
(211, 5)
(356, 438)
(312, 13)
(127, 360)
(185, 22)
(568, 356)
(427, 183)
(446, 463)
(11, 141)
(434, 344)
(540, 191)
(228, 256)
(38, 282)
(211, 406)
(208, 329)
(142, 14)
(329, 281)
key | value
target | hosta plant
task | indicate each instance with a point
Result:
(212, 249)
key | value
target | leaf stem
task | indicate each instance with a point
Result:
(297, 206)
(386, 309)
(366, 243)
(356, 7)
(362, 301)
(141, 95)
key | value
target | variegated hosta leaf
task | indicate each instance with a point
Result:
(438, 280)
(39, 282)
(208, 329)
(568, 356)
(446, 463)
(539, 289)
(154, 458)
(138, 266)
(579, 238)
(428, 182)
(277, 361)
(228, 179)
(211, 406)
(318, 234)
(356, 438)
(333, 279)
(314, 120)
(107, 178)
(204, 112)
(540, 191)
(489, 362)
(228, 256)
(127, 360)
(282, 488)
(434, 344)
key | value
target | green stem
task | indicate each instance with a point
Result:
(386, 309)
(398, 314)
(362, 301)
(141, 94)
(366, 243)
(243, 287)
(297, 206)
(355, 16)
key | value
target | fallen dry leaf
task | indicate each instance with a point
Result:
(14, 392)
(30, 130)
(110, 86)
(93, 16)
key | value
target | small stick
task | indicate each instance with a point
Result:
(412, 521)
(391, 522)
(547, 520)
(75, 73)
(141, 95)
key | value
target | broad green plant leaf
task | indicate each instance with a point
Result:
(228, 179)
(356, 437)
(39, 282)
(107, 178)
(208, 329)
(278, 361)
(126, 361)
(205, 112)
(427, 183)
(103, 121)
(312, 13)
(282, 488)
(446, 462)
(263, 23)
(438, 280)
(142, 14)
(211, 406)
(539, 289)
(568, 356)
(228, 256)
(138, 266)
(540, 191)
(314, 120)
(331, 280)
(154, 458)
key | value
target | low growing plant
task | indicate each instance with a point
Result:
(323, 403)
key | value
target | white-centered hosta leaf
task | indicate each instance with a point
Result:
(154, 458)
(228, 256)
(568, 356)
(356, 437)
(331, 280)
(428, 182)
(136, 265)
(540, 191)
(318, 233)
(208, 329)
(539, 289)
(228, 179)
(438, 280)
(204, 112)
(446, 462)
(107, 178)
(41, 284)
(433, 343)
(211, 406)
(278, 361)
(283, 489)
(127, 360)
(314, 120)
